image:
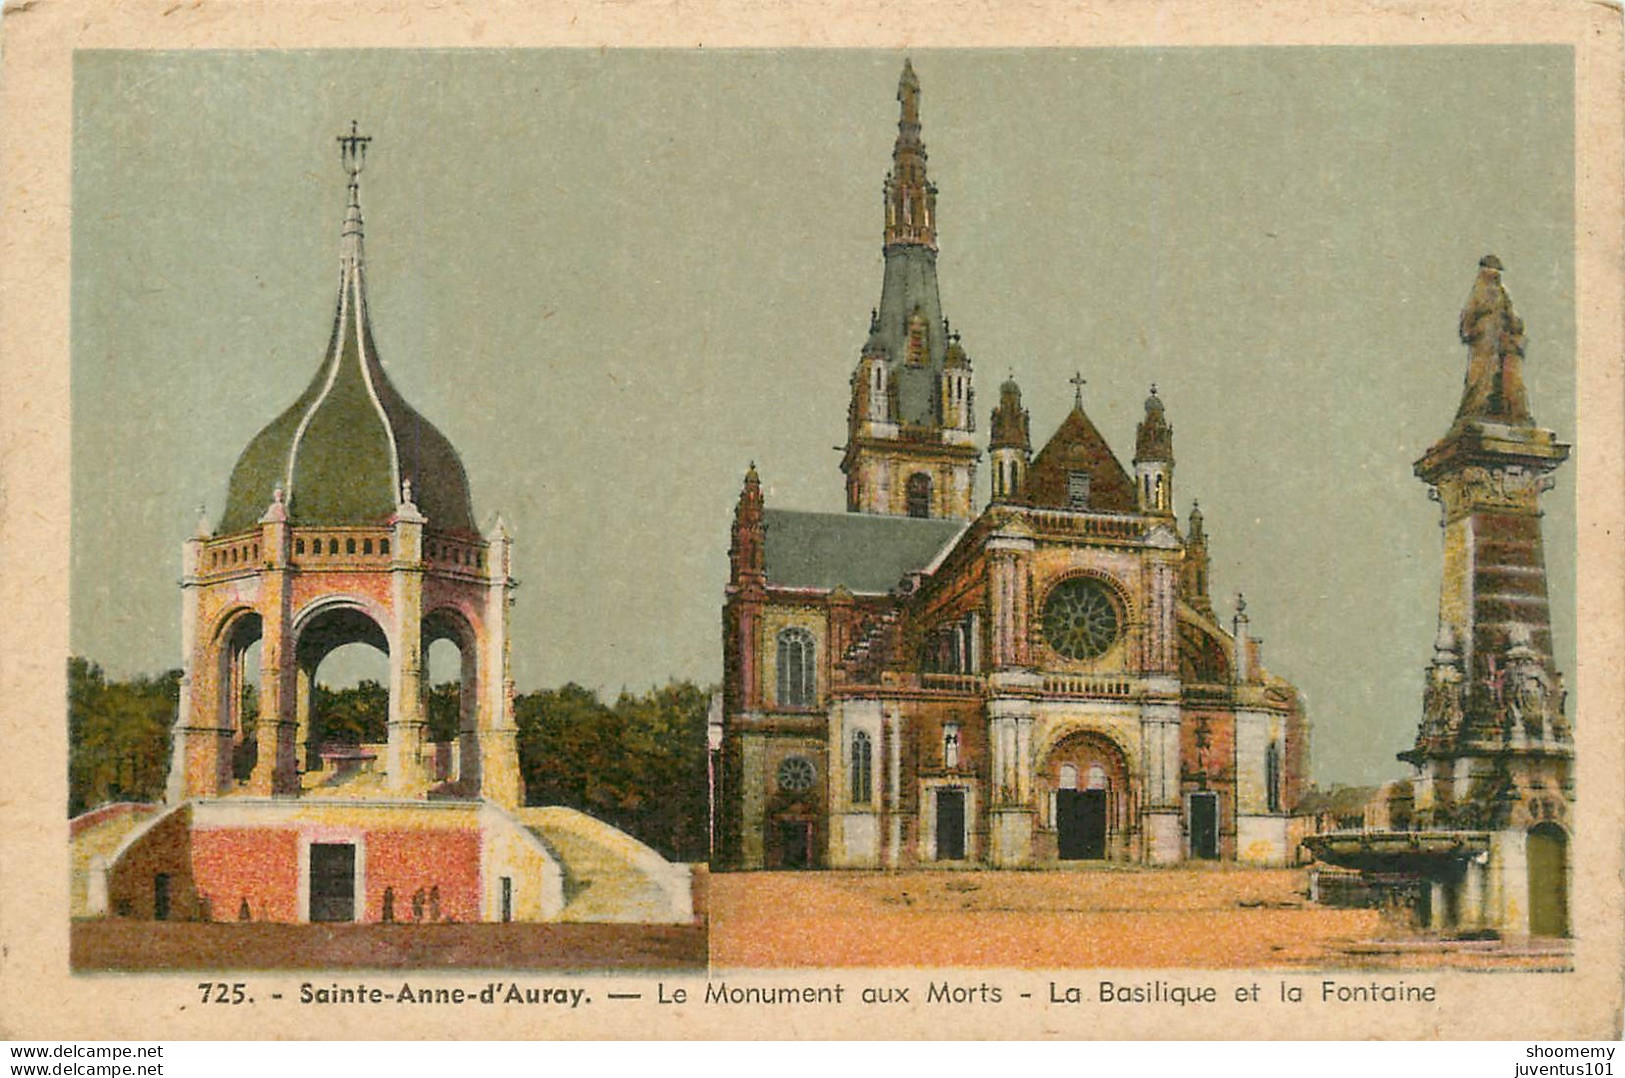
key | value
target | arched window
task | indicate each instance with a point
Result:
(862, 768)
(1272, 776)
(919, 495)
(798, 683)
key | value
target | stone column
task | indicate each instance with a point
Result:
(1007, 597)
(1010, 817)
(1159, 734)
(201, 736)
(500, 778)
(406, 762)
(306, 749)
(894, 787)
(276, 764)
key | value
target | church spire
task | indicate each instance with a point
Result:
(911, 199)
(353, 155)
(911, 422)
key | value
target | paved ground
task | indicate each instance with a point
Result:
(1190, 917)
(147, 945)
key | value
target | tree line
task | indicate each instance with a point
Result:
(637, 762)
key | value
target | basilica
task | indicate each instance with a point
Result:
(1039, 679)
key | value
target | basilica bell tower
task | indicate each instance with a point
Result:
(910, 427)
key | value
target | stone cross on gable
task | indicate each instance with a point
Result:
(1078, 382)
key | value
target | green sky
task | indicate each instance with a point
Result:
(614, 278)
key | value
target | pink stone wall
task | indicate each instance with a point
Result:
(410, 860)
(259, 864)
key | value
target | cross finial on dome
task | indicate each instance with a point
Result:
(1078, 382)
(353, 150)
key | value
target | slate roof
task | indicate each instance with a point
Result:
(863, 552)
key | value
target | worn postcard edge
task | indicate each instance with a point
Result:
(38, 995)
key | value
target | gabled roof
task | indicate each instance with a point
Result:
(1078, 447)
(862, 552)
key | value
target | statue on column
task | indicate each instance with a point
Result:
(1493, 333)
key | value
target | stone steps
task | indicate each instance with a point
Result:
(604, 880)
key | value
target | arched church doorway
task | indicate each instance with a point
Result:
(1089, 800)
(1547, 859)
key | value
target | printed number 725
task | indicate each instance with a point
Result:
(217, 992)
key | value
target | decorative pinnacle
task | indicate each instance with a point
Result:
(908, 92)
(353, 150)
(353, 155)
(1078, 382)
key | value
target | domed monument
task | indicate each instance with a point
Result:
(349, 521)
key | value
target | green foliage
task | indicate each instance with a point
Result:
(445, 711)
(118, 735)
(638, 764)
(353, 716)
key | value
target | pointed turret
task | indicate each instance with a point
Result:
(910, 446)
(1010, 445)
(747, 551)
(1193, 585)
(341, 453)
(1154, 459)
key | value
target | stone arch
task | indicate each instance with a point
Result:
(457, 760)
(236, 634)
(1088, 794)
(317, 631)
(1204, 658)
(1547, 860)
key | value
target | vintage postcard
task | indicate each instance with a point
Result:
(618, 521)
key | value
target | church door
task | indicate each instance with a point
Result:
(1205, 827)
(950, 825)
(1080, 823)
(1548, 883)
(332, 881)
(795, 844)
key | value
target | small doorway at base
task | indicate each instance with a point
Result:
(1080, 824)
(950, 824)
(160, 897)
(1547, 855)
(1205, 827)
(332, 881)
(795, 844)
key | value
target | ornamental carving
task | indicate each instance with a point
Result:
(1511, 488)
